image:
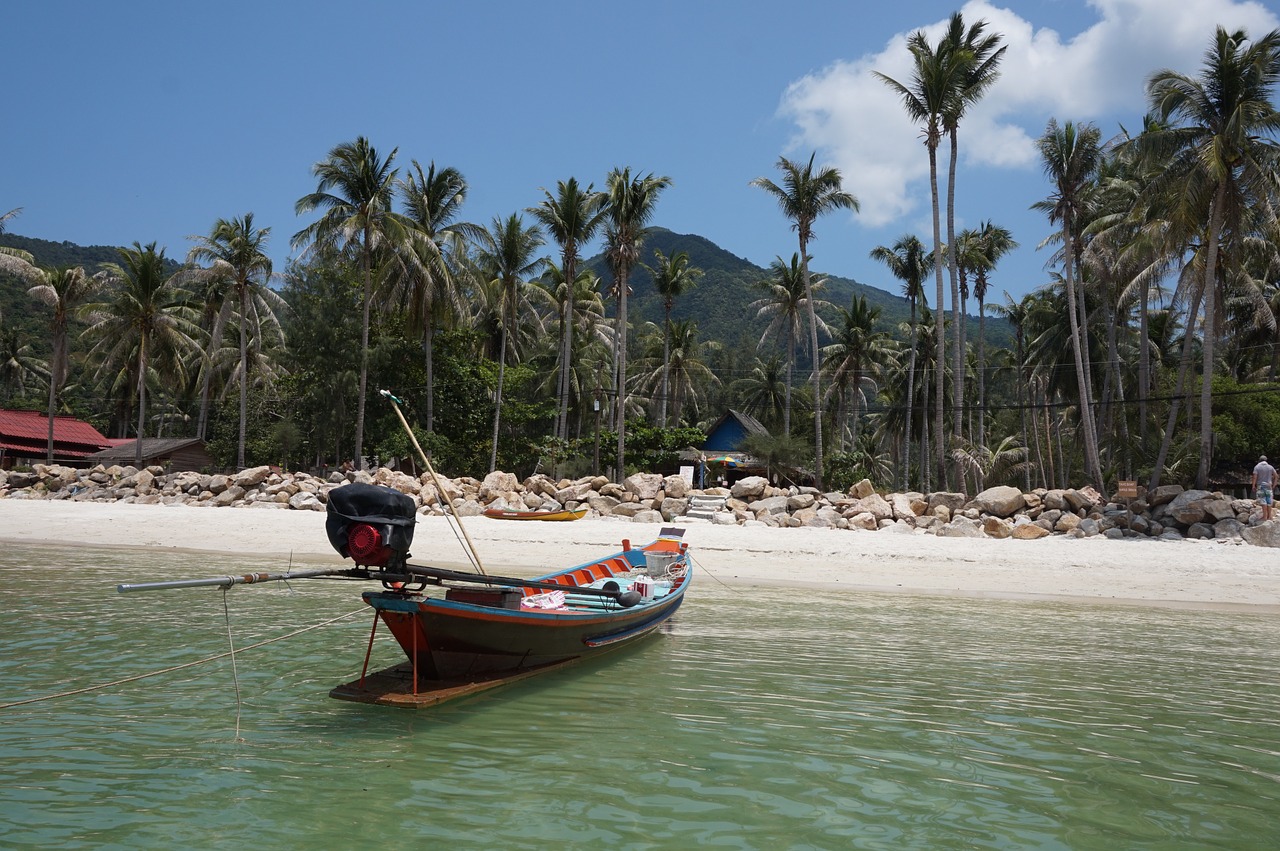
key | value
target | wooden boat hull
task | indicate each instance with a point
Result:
(479, 640)
(513, 514)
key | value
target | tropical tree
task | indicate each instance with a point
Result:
(994, 242)
(764, 392)
(1016, 314)
(672, 277)
(236, 253)
(977, 56)
(938, 74)
(571, 217)
(425, 282)
(64, 291)
(1216, 137)
(909, 262)
(803, 196)
(857, 354)
(683, 365)
(785, 300)
(631, 205)
(143, 322)
(507, 258)
(355, 187)
(1070, 154)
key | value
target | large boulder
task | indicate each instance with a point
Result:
(907, 506)
(251, 477)
(873, 504)
(997, 527)
(862, 489)
(949, 500)
(675, 486)
(999, 501)
(961, 527)
(1028, 531)
(496, 484)
(750, 488)
(1265, 534)
(644, 485)
(1189, 506)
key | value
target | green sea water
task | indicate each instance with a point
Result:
(759, 719)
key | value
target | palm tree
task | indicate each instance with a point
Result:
(64, 291)
(1016, 313)
(672, 278)
(995, 242)
(977, 56)
(856, 355)
(804, 196)
(507, 258)
(144, 322)
(1213, 138)
(683, 366)
(355, 188)
(1070, 154)
(426, 281)
(764, 392)
(785, 299)
(571, 217)
(909, 262)
(236, 252)
(939, 73)
(631, 205)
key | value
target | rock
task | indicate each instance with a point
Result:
(497, 483)
(251, 477)
(874, 504)
(305, 501)
(1081, 498)
(673, 508)
(723, 518)
(1089, 527)
(1189, 506)
(997, 527)
(627, 509)
(862, 489)
(601, 504)
(676, 487)
(961, 527)
(1200, 531)
(774, 505)
(750, 488)
(799, 501)
(228, 496)
(864, 520)
(1227, 529)
(1163, 495)
(467, 508)
(1001, 501)
(1265, 534)
(1066, 522)
(951, 501)
(644, 485)
(908, 505)
(1028, 531)
(648, 515)
(825, 517)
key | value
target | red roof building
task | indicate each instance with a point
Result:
(24, 438)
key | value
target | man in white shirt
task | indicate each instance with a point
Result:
(1264, 482)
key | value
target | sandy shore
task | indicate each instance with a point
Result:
(1193, 574)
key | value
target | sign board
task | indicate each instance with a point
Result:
(686, 473)
(1127, 489)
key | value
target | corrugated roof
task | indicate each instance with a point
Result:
(31, 428)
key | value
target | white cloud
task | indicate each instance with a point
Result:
(857, 123)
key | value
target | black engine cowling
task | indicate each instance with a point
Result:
(371, 524)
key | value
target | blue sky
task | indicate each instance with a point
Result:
(146, 121)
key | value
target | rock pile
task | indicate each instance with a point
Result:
(1170, 512)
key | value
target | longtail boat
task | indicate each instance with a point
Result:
(463, 632)
(518, 514)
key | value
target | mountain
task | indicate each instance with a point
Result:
(720, 303)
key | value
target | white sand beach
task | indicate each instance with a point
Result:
(1192, 574)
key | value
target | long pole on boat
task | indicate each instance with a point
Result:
(395, 403)
(228, 581)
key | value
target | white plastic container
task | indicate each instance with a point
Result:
(643, 586)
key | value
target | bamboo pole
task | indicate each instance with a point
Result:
(395, 404)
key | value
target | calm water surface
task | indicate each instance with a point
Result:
(778, 719)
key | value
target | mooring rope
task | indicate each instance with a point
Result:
(203, 661)
(231, 642)
(703, 568)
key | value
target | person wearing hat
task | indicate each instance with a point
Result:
(1264, 481)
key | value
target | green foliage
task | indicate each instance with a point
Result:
(1246, 422)
(845, 469)
(785, 455)
(650, 448)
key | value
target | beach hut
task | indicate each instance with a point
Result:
(24, 439)
(172, 453)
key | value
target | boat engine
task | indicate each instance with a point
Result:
(370, 524)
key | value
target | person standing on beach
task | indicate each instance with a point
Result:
(1264, 482)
